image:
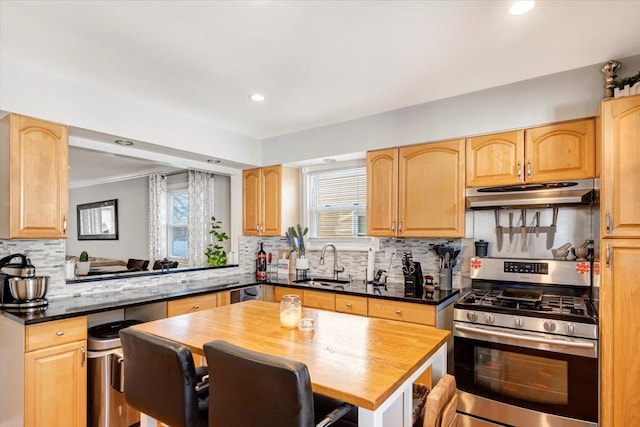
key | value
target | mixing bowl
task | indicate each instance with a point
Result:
(28, 288)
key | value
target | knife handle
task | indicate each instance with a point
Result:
(497, 214)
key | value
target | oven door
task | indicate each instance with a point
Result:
(539, 372)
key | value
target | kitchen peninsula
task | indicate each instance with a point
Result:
(371, 363)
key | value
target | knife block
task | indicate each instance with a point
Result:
(413, 282)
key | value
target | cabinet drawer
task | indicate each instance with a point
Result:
(58, 332)
(351, 304)
(191, 304)
(278, 291)
(404, 311)
(319, 299)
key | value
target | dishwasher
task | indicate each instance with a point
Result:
(106, 406)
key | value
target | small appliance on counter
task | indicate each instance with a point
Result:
(412, 276)
(21, 289)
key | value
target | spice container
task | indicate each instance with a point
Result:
(290, 311)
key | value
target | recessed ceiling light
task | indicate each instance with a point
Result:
(521, 6)
(123, 142)
(329, 160)
(257, 97)
(214, 161)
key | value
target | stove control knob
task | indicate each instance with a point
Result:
(570, 328)
(489, 318)
(549, 326)
(518, 321)
(472, 317)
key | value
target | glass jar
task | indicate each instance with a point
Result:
(290, 311)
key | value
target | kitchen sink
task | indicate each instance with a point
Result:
(325, 283)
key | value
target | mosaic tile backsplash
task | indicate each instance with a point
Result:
(48, 257)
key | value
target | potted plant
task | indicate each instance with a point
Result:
(83, 265)
(296, 240)
(216, 255)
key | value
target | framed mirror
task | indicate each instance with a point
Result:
(98, 221)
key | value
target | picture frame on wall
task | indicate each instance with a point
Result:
(98, 220)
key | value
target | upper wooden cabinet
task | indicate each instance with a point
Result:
(620, 176)
(270, 200)
(34, 160)
(416, 191)
(557, 152)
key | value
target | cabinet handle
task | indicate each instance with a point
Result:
(608, 221)
(519, 167)
(64, 224)
(196, 306)
(529, 169)
(607, 255)
(398, 312)
(349, 304)
(84, 356)
(393, 225)
(60, 333)
(400, 225)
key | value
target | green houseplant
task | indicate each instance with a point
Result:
(296, 241)
(215, 252)
(83, 265)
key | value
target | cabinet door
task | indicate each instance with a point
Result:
(251, 202)
(495, 159)
(560, 152)
(279, 291)
(271, 201)
(38, 168)
(431, 190)
(620, 332)
(382, 192)
(403, 311)
(319, 299)
(351, 304)
(620, 196)
(56, 386)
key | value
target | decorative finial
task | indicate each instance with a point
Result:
(609, 69)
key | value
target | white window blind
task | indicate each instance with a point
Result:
(337, 202)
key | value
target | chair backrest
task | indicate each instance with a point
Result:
(137, 264)
(159, 378)
(442, 400)
(255, 389)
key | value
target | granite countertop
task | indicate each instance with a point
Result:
(105, 301)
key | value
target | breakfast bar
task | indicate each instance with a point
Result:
(368, 362)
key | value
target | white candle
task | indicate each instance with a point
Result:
(290, 317)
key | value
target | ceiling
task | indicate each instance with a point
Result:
(316, 62)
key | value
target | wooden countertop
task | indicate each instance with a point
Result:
(357, 359)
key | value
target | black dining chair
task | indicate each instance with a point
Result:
(161, 380)
(137, 264)
(257, 389)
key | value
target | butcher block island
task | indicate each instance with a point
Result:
(368, 362)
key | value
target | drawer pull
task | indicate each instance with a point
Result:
(349, 304)
(398, 312)
(60, 333)
(196, 306)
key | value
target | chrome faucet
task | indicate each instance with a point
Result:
(336, 268)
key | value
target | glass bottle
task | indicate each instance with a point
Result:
(261, 264)
(290, 311)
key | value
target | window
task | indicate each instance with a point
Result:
(178, 224)
(337, 201)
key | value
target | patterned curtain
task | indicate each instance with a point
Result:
(157, 217)
(200, 211)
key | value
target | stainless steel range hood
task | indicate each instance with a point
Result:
(522, 196)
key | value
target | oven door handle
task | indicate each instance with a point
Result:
(525, 337)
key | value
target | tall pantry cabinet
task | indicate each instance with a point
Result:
(620, 262)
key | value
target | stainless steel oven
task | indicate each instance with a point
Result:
(526, 349)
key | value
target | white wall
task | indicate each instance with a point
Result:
(133, 219)
(557, 97)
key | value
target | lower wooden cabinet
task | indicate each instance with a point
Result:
(43, 373)
(351, 304)
(279, 291)
(319, 299)
(404, 311)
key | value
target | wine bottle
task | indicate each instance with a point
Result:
(261, 263)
